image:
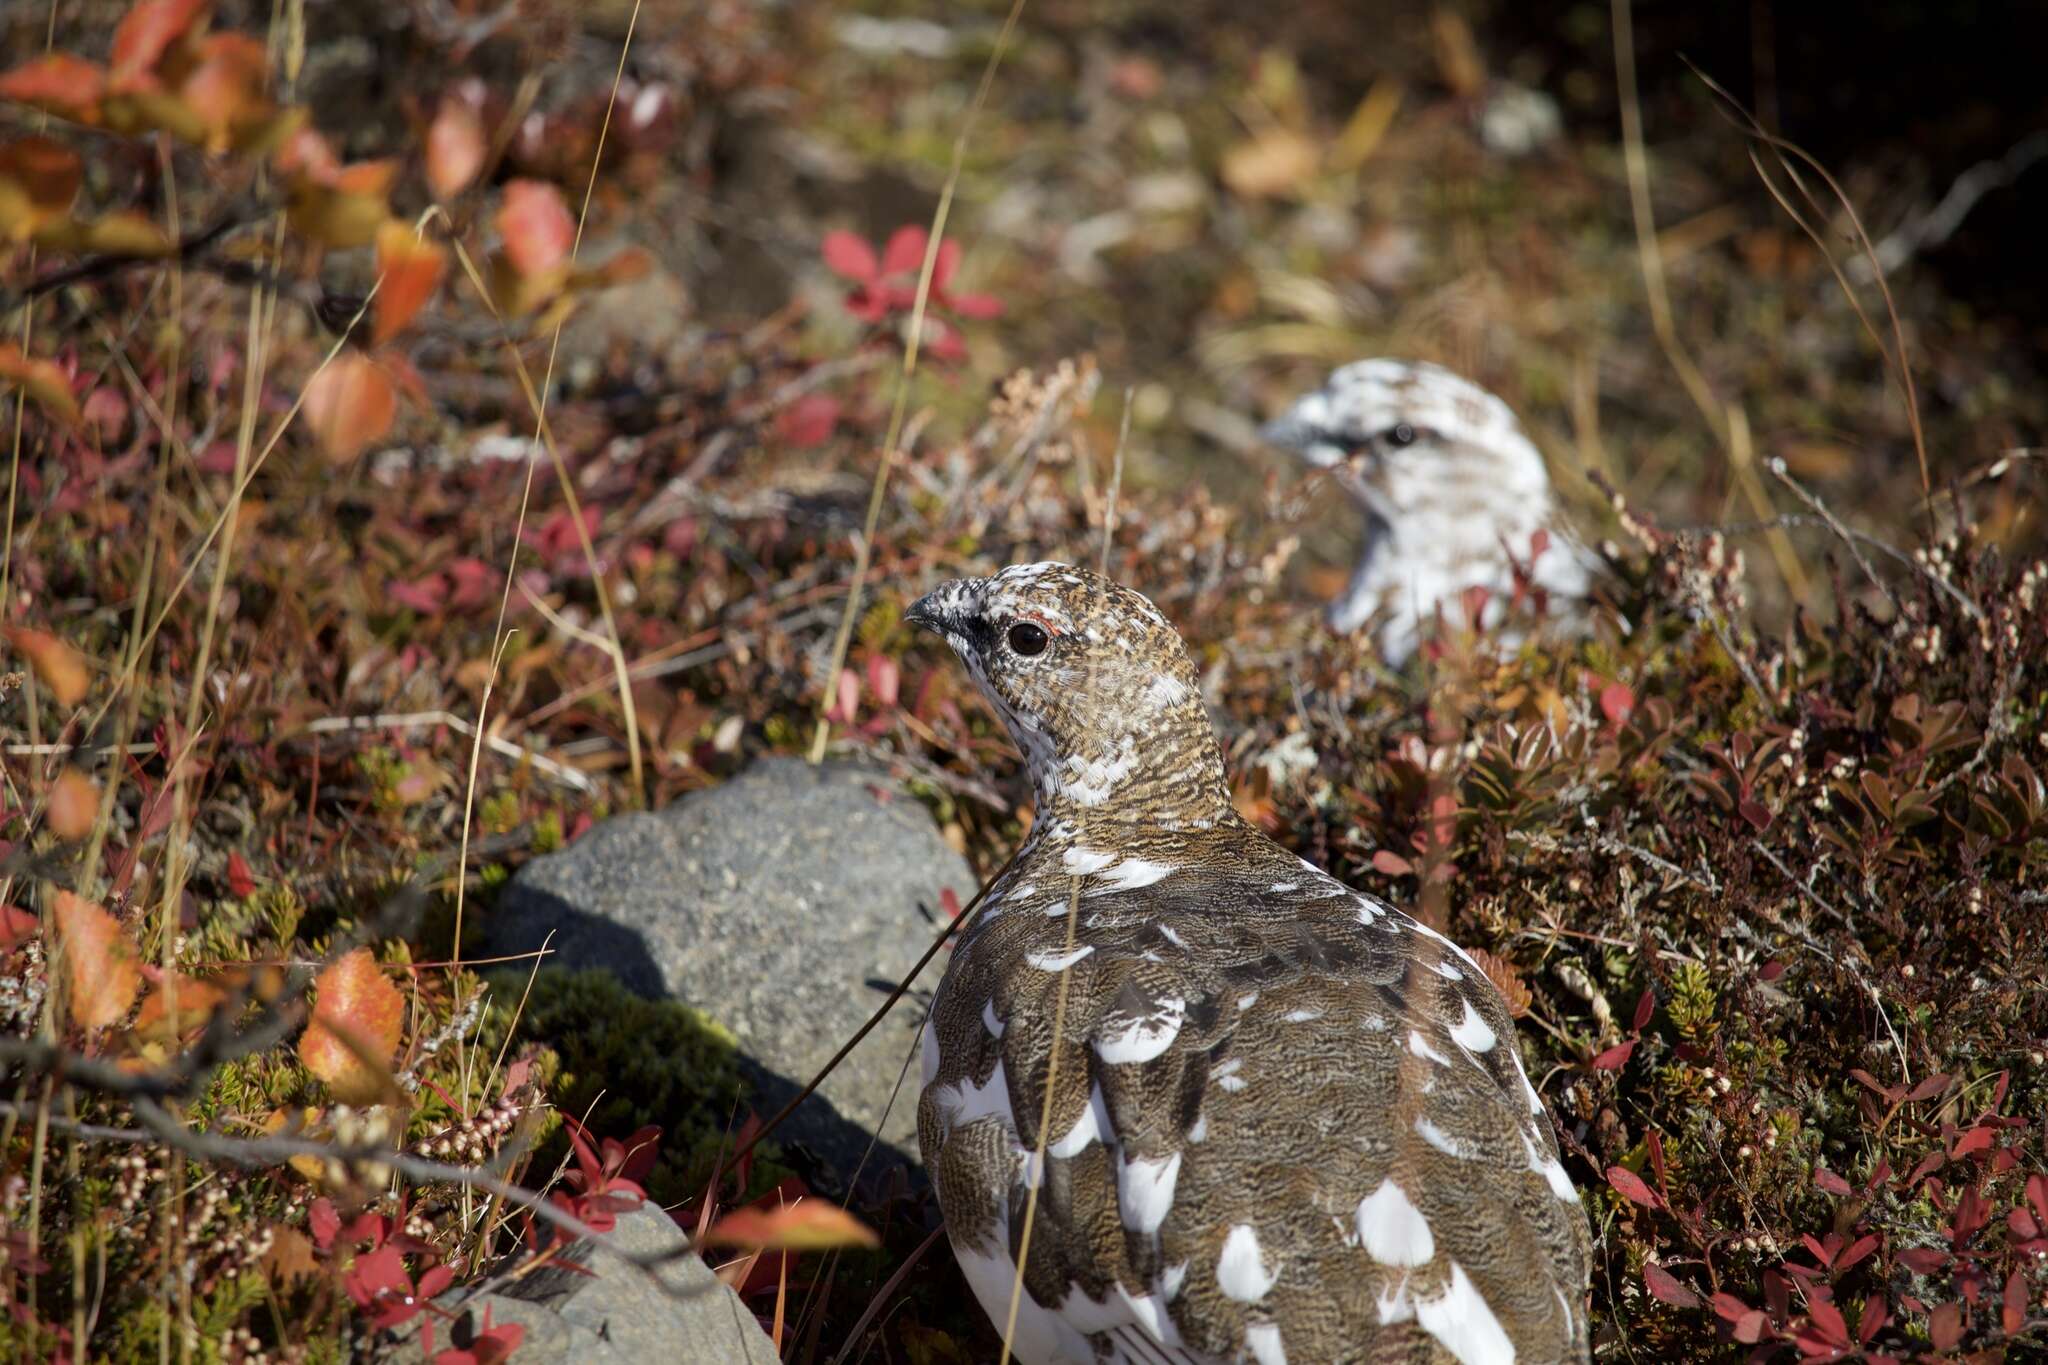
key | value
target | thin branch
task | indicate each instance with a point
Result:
(413, 720)
(162, 1128)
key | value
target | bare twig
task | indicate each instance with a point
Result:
(414, 720)
(163, 1128)
(1784, 476)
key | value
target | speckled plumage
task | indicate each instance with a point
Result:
(1445, 510)
(1287, 1121)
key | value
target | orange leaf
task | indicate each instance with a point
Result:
(455, 147)
(411, 269)
(100, 960)
(39, 178)
(162, 1020)
(357, 1016)
(304, 154)
(536, 225)
(225, 91)
(1506, 980)
(61, 667)
(807, 1225)
(69, 87)
(350, 404)
(118, 234)
(146, 33)
(43, 380)
(73, 805)
(1273, 163)
(341, 206)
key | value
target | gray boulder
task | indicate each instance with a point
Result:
(676, 1313)
(784, 904)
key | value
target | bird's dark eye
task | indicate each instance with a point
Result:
(1401, 434)
(1028, 639)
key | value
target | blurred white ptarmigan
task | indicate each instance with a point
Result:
(1453, 494)
(1286, 1122)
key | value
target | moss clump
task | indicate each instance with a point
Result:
(626, 1061)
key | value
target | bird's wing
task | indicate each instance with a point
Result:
(1289, 1125)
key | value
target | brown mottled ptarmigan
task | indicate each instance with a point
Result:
(1453, 495)
(1283, 1122)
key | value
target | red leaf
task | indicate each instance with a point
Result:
(845, 705)
(885, 680)
(1664, 1285)
(1391, 864)
(1930, 1087)
(808, 421)
(323, 1221)
(943, 266)
(67, 86)
(427, 596)
(1631, 1186)
(1892, 1094)
(1770, 971)
(1617, 703)
(850, 257)
(1976, 1140)
(1827, 1319)
(1827, 1180)
(1614, 1058)
(1876, 1313)
(16, 925)
(142, 37)
(241, 883)
(2037, 1194)
(1862, 1248)
(536, 225)
(1645, 1008)
(456, 146)
(904, 254)
(1945, 1326)
(2014, 1311)
(1923, 1260)
(432, 1282)
(1730, 1307)
(975, 305)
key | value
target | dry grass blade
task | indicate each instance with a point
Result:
(1730, 428)
(1052, 1066)
(1895, 354)
(1116, 481)
(864, 551)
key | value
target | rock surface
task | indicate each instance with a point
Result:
(784, 904)
(674, 1314)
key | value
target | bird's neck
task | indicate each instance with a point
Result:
(1430, 535)
(1161, 769)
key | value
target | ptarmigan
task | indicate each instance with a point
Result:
(1287, 1121)
(1453, 494)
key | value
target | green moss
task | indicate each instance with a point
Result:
(625, 1062)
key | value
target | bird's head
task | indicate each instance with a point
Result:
(1407, 439)
(1095, 686)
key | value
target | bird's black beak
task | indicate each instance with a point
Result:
(920, 613)
(945, 609)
